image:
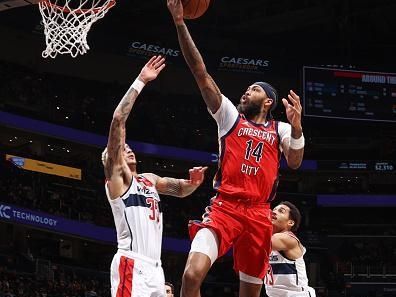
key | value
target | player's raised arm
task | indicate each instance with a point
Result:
(115, 146)
(179, 187)
(293, 147)
(209, 90)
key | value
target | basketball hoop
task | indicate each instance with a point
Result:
(67, 22)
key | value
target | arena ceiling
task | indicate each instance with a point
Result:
(289, 33)
(331, 24)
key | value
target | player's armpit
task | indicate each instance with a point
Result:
(117, 181)
(115, 186)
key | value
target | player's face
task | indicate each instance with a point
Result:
(168, 291)
(129, 155)
(280, 217)
(252, 101)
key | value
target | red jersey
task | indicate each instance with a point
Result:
(249, 155)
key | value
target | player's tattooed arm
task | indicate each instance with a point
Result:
(116, 141)
(209, 90)
(112, 156)
(171, 186)
(180, 187)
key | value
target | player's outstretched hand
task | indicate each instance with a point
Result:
(293, 109)
(197, 175)
(176, 9)
(152, 68)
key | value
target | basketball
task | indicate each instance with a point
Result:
(193, 9)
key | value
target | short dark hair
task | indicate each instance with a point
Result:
(171, 286)
(294, 214)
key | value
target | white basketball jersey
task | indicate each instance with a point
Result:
(138, 218)
(286, 277)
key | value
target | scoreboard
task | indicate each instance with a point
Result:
(381, 166)
(349, 94)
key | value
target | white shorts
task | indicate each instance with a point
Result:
(134, 275)
(276, 292)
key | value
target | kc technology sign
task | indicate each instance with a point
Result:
(38, 219)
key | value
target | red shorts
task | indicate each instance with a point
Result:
(243, 224)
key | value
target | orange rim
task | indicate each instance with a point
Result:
(79, 11)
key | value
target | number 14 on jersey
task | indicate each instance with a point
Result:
(255, 152)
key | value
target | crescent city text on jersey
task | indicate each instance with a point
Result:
(270, 137)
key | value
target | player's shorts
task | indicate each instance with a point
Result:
(278, 292)
(134, 275)
(243, 224)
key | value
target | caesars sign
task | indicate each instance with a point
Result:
(142, 49)
(240, 64)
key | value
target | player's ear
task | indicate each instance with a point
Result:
(268, 102)
(290, 223)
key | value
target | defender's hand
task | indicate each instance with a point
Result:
(197, 175)
(293, 110)
(151, 70)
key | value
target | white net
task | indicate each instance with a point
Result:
(67, 22)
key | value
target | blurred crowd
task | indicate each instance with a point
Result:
(87, 105)
(15, 284)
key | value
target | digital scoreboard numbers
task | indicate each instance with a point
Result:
(383, 166)
(347, 94)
